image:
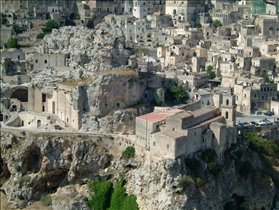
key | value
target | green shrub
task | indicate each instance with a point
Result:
(23, 133)
(11, 43)
(100, 200)
(157, 102)
(185, 181)
(208, 155)
(193, 164)
(261, 146)
(199, 182)
(129, 152)
(46, 200)
(120, 200)
(41, 35)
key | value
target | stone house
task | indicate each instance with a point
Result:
(269, 26)
(252, 52)
(44, 60)
(185, 10)
(177, 53)
(198, 64)
(251, 97)
(243, 62)
(99, 6)
(268, 47)
(158, 20)
(60, 103)
(226, 17)
(13, 54)
(173, 40)
(142, 8)
(194, 79)
(264, 63)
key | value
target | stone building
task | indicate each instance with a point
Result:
(56, 101)
(251, 97)
(185, 10)
(171, 133)
(6, 34)
(44, 60)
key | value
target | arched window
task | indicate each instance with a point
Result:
(227, 102)
(227, 115)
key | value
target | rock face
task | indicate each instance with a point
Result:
(98, 49)
(42, 164)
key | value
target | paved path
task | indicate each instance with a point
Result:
(240, 117)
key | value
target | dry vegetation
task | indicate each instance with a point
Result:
(127, 71)
(74, 83)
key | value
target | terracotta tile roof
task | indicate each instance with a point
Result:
(154, 117)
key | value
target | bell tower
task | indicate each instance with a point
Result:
(228, 108)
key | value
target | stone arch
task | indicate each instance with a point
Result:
(20, 94)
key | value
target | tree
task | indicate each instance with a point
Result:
(69, 22)
(216, 23)
(179, 93)
(266, 78)
(90, 24)
(51, 24)
(11, 43)
(198, 25)
(210, 72)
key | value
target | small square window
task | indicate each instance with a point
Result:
(45, 61)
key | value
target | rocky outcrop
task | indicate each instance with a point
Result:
(121, 121)
(98, 49)
(33, 166)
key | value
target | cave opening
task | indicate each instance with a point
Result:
(32, 161)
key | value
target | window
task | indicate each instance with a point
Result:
(227, 115)
(45, 61)
(154, 143)
(36, 61)
(44, 98)
(227, 102)
(168, 146)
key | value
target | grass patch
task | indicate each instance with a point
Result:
(22, 179)
(185, 181)
(46, 200)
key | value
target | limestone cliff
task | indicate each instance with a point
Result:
(33, 165)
